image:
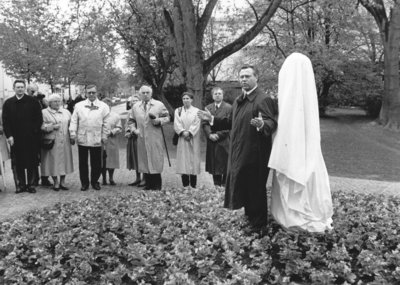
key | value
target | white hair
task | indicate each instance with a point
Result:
(54, 97)
(146, 87)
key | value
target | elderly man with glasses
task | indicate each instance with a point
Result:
(89, 129)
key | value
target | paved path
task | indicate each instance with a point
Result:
(13, 205)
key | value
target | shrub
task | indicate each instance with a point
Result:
(180, 236)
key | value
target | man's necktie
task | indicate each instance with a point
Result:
(145, 106)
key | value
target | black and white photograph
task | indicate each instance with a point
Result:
(199, 142)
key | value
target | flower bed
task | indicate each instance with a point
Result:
(185, 237)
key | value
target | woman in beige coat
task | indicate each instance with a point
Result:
(187, 126)
(111, 152)
(56, 161)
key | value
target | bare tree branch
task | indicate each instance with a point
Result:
(243, 40)
(203, 20)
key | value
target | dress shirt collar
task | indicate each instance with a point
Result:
(54, 111)
(150, 102)
(95, 102)
(249, 92)
(19, 98)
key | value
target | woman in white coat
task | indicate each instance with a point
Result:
(56, 161)
(301, 195)
(111, 152)
(187, 126)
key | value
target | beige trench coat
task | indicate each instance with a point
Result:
(58, 160)
(150, 144)
(188, 157)
(113, 122)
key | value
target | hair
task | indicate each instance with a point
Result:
(19, 81)
(215, 89)
(187, 93)
(90, 86)
(246, 66)
(54, 97)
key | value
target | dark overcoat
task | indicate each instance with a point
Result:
(217, 152)
(249, 152)
(22, 120)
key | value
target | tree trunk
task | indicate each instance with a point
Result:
(187, 32)
(69, 91)
(390, 111)
(189, 49)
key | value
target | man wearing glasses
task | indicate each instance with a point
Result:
(89, 130)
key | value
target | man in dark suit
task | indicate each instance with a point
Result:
(217, 139)
(22, 120)
(252, 124)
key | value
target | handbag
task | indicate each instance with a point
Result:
(175, 138)
(47, 143)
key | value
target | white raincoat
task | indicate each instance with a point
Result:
(188, 152)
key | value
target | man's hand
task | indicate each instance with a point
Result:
(257, 121)
(213, 137)
(72, 141)
(204, 115)
(104, 140)
(10, 141)
(136, 131)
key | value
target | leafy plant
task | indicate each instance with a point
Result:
(178, 236)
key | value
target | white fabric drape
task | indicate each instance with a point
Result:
(301, 193)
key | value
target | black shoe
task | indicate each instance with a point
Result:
(56, 188)
(46, 182)
(31, 189)
(105, 182)
(112, 183)
(62, 187)
(147, 188)
(84, 187)
(19, 190)
(135, 183)
(96, 186)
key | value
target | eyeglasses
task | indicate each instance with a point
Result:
(91, 93)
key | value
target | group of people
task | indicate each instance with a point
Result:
(244, 141)
(284, 137)
(41, 132)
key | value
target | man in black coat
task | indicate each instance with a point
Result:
(217, 139)
(22, 120)
(252, 123)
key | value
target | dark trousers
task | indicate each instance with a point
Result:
(186, 179)
(95, 164)
(153, 181)
(19, 173)
(219, 180)
(37, 177)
